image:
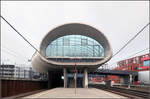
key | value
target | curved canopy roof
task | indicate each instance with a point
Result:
(71, 29)
(76, 29)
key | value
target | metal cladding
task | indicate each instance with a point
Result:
(41, 64)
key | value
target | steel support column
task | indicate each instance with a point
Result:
(65, 77)
(85, 78)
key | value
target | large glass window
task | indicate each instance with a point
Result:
(74, 46)
(146, 63)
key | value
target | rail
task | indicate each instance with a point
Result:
(134, 94)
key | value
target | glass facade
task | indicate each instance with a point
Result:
(74, 46)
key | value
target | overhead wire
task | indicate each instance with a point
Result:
(41, 55)
(130, 40)
(20, 34)
(139, 52)
(132, 55)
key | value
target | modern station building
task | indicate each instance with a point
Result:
(69, 46)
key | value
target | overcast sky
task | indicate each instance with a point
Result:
(119, 21)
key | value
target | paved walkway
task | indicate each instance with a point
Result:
(70, 93)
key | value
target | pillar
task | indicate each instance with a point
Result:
(111, 81)
(65, 78)
(130, 81)
(49, 79)
(85, 78)
(0, 88)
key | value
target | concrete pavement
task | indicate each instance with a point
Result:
(70, 93)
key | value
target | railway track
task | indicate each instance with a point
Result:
(134, 94)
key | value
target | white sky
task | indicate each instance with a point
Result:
(119, 21)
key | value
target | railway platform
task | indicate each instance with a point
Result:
(70, 93)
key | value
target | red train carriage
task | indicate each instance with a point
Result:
(139, 63)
